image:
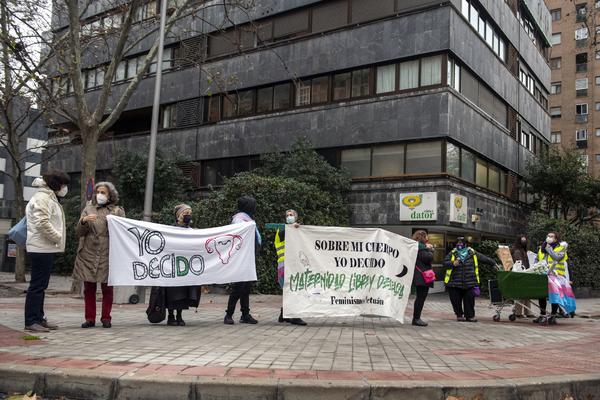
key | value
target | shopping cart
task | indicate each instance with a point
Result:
(509, 288)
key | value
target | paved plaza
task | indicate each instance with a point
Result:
(362, 350)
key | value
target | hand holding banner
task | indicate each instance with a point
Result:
(147, 254)
(334, 271)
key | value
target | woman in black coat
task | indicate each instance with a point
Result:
(424, 260)
(462, 278)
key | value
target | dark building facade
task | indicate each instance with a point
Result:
(435, 107)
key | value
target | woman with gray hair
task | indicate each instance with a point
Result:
(91, 264)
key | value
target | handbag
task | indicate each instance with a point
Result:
(428, 275)
(18, 233)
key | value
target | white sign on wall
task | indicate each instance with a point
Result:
(418, 206)
(458, 208)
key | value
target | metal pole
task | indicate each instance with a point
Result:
(155, 114)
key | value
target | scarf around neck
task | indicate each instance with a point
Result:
(463, 253)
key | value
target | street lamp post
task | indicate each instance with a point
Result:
(155, 116)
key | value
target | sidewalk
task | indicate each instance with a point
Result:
(362, 357)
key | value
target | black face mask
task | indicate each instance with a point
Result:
(187, 219)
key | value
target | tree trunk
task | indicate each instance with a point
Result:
(19, 213)
(88, 171)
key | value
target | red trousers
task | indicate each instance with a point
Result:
(89, 296)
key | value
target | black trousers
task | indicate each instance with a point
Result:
(544, 304)
(462, 298)
(239, 291)
(420, 301)
(41, 268)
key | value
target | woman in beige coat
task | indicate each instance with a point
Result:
(91, 264)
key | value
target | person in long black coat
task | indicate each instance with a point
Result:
(462, 278)
(181, 298)
(423, 263)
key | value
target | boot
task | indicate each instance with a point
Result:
(171, 321)
(88, 324)
(281, 319)
(419, 322)
(228, 320)
(297, 321)
(247, 319)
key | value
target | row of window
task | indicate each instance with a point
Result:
(530, 83)
(423, 158)
(484, 27)
(113, 20)
(127, 69)
(580, 134)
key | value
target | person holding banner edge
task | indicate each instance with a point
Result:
(421, 278)
(91, 262)
(462, 278)
(241, 290)
(181, 298)
(291, 218)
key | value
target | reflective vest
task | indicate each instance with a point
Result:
(475, 261)
(280, 249)
(558, 266)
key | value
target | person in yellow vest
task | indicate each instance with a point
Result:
(560, 293)
(291, 218)
(462, 278)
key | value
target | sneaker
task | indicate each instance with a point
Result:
(36, 328)
(419, 322)
(297, 321)
(171, 321)
(247, 319)
(88, 324)
(48, 325)
(106, 324)
(228, 320)
(460, 319)
(471, 319)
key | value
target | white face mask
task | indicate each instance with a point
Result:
(101, 199)
(290, 219)
(63, 191)
(549, 240)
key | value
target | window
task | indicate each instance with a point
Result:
(132, 66)
(489, 34)
(291, 24)
(281, 96)
(320, 90)
(425, 157)
(467, 165)
(366, 10)
(581, 109)
(598, 81)
(473, 17)
(453, 74)
(597, 54)
(360, 82)
(584, 160)
(580, 12)
(214, 108)
(431, 71)
(597, 106)
(121, 71)
(581, 60)
(342, 85)
(264, 99)
(555, 137)
(556, 88)
(581, 86)
(581, 134)
(409, 75)
(597, 132)
(452, 159)
(229, 105)
(555, 63)
(331, 15)
(388, 160)
(464, 8)
(556, 14)
(525, 139)
(386, 78)
(245, 102)
(555, 39)
(169, 116)
(302, 94)
(581, 33)
(481, 170)
(357, 162)
(555, 112)
(494, 179)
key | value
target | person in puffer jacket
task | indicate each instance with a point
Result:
(462, 278)
(46, 233)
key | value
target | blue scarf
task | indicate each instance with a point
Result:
(463, 253)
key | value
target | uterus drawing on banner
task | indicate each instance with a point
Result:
(224, 246)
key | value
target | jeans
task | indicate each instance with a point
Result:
(41, 268)
(89, 296)
(240, 291)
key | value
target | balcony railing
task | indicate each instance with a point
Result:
(581, 118)
(581, 67)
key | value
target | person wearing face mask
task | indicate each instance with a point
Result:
(241, 290)
(462, 278)
(518, 251)
(181, 298)
(560, 293)
(91, 263)
(46, 233)
(291, 218)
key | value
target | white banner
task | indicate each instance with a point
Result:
(333, 271)
(147, 254)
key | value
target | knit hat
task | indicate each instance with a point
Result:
(180, 209)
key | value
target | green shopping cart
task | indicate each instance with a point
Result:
(509, 288)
